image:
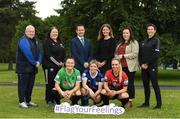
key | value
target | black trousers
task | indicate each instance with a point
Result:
(147, 75)
(25, 86)
(50, 74)
(131, 77)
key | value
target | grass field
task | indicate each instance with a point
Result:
(166, 77)
(9, 101)
(9, 106)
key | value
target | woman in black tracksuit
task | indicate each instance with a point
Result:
(53, 60)
(148, 56)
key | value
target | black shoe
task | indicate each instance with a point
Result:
(143, 106)
(157, 107)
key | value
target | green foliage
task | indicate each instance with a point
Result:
(118, 13)
(11, 11)
(19, 31)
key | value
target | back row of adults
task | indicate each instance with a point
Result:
(54, 56)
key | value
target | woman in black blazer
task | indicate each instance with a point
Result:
(53, 59)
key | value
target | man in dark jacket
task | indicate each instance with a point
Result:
(149, 53)
(27, 62)
(81, 50)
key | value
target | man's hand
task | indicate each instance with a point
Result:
(37, 64)
(86, 64)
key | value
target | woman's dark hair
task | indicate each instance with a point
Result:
(131, 38)
(49, 32)
(69, 57)
(150, 24)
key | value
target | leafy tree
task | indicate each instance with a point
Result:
(118, 13)
(11, 11)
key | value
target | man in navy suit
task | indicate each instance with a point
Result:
(81, 50)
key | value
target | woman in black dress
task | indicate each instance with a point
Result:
(54, 56)
(105, 47)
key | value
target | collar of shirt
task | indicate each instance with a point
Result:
(80, 37)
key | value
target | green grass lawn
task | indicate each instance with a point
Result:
(9, 101)
(9, 106)
(166, 77)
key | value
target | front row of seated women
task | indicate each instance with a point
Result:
(70, 85)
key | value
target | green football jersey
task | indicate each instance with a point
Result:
(65, 81)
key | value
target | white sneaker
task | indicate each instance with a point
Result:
(23, 105)
(32, 104)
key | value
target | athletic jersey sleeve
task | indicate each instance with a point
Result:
(84, 75)
(101, 82)
(125, 79)
(78, 79)
(58, 75)
(106, 77)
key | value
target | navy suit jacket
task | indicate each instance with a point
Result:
(81, 53)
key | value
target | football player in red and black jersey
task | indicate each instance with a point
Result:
(115, 85)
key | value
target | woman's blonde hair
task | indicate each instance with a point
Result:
(94, 62)
(101, 36)
(120, 68)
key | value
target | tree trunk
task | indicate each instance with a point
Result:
(10, 66)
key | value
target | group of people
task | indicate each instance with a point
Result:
(108, 73)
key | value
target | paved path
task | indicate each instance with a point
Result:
(163, 87)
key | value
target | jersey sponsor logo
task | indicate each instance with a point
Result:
(68, 84)
(115, 83)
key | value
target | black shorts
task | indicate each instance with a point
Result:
(94, 90)
(115, 88)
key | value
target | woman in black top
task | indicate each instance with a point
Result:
(148, 59)
(105, 48)
(54, 55)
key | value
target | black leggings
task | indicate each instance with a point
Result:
(147, 75)
(50, 74)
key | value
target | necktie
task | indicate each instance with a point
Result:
(82, 41)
